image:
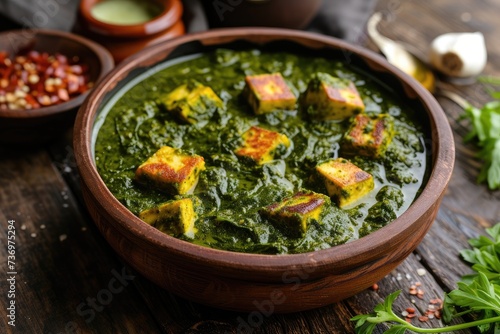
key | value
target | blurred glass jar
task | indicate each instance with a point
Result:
(125, 27)
(293, 14)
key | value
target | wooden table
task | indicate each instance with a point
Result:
(70, 281)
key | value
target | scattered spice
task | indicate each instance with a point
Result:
(38, 79)
(421, 271)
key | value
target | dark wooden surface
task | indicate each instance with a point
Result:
(64, 266)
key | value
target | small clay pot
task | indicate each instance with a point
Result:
(124, 40)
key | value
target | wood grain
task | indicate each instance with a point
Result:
(60, 258)
(56, 276)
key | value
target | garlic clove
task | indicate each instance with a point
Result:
(398, 56)
(459, 54)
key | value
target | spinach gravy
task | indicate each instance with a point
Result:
(232, 191)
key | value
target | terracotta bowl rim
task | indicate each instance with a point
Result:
(370, 246)
(105, 59)
(171, 13)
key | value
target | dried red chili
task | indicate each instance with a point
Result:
(38, 79)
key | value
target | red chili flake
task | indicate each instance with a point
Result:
(34, 79)
(423, 318)
(375, 287)
(76, 69)
(436, 301)
(44, 100)
(410, 310)
(63, 94)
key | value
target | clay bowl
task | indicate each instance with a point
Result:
(38, 126)
(244, 282)
(125, 40)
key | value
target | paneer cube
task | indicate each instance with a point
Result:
(173, 217)
(262, 145)
(369, 135)
(293, 215)
(268, 92)
(331, 98)
(171, 171)
(192, 103)
(344, 181)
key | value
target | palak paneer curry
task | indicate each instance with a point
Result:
(262, 152)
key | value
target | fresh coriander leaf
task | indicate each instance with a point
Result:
(494, 232)
(360, 319)
(490, 274)
(477, 295)
(448, 309)
(366, 328)
(389, 300)
(490, 170)
(362, 326)
(489, 79)
(476, 256)
(492, 261)
(474, 115)
(396, 329)
(469, 256)
(486, 129)
(481, 242)
(494, 94)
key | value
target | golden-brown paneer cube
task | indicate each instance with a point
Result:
(294, 214)
(268, 92)
(368, 135)
(331, 98)
(171, 171)
(261, 145)
(173, 217)
(344, 181)
(192, 103)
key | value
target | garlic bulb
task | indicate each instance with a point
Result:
(459, 54)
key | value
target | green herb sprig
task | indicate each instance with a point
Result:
(477, 295)
(486, 133)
